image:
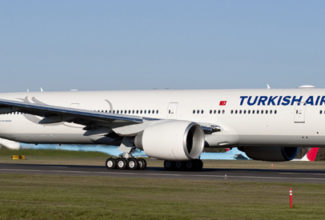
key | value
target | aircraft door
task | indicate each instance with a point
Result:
(172, 110)
(299, 115)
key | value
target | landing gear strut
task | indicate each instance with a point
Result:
(190, 165)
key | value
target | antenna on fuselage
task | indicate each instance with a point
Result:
(268, 86)
(42, 90)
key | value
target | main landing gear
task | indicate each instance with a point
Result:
(126, 160)
(189, 165)
(122, 163)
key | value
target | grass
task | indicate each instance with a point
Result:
(27, 196)
(75, 197)
(54, 157)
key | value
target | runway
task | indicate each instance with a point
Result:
(270, 175)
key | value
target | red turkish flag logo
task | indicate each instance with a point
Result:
(223, 103)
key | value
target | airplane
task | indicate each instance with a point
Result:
(171, 125)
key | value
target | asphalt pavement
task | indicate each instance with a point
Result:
(270, 175)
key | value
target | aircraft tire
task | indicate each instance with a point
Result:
(179, 165)
(142, 164)
(132, 164)
(189, 165)
(169, 165)
(198, 165)
(110, 163)
(121, 163)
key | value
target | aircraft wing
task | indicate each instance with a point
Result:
(91, 119)
(54, 114)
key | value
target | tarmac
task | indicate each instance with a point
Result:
(256, 175)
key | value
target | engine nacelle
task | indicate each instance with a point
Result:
(271, 153)
(172, 140)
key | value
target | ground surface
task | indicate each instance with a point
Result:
(64, 196)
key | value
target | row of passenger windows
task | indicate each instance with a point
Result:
(196, 111)
(130, 111)
(253, 111)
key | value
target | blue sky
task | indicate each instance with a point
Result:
(96, 45)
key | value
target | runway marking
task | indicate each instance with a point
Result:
(164, 174)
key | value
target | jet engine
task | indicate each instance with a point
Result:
(172, 140)
(271, 153)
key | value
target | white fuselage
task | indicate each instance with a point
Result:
(279, 117)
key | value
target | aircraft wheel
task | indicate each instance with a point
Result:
(189, 165)
(198, 165)
(169, 165)
(121, 163)
(110, 163)
(142, 164)
(133, 164)
(179, 165)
